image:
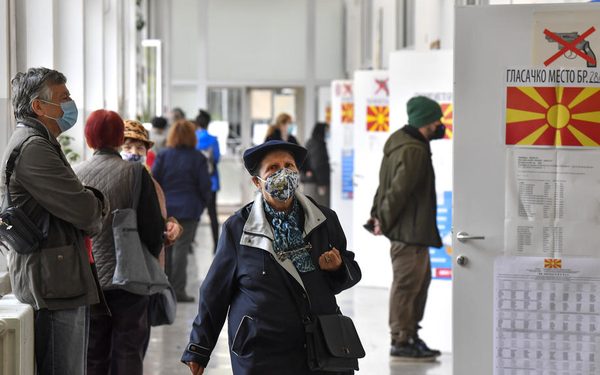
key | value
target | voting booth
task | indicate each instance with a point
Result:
(429, 73)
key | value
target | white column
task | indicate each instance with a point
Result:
(35, 33)
(202, 58)
(69, 58)
(310, 88)
(427, 23)
(5, 106)
(111, 47)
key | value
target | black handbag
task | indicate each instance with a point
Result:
(162, 307)
(17, 231)
(332, 343)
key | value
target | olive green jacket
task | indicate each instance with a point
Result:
(59, 275)
(405, 202)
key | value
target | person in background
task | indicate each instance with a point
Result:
(177, 114)
(116, 337)
(182, 172)
(317, 170)
(136, 147)
(209, 145)
(404, 211)
(50, 194)
(158, 136)
(281, 258)
(280, 131)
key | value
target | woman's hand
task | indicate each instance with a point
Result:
(330, 260)
(195, 368)
(173, 231)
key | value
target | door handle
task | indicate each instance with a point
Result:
(464, 237)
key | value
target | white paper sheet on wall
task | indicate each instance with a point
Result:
(546, 316)
(552, 202)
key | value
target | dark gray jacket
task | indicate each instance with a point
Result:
(115, 178)
(59, 276)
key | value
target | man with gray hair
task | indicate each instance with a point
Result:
(58, 279)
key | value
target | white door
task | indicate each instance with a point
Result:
(488, 40)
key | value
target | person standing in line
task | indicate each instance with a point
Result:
(158, 138)
(135, 149)
(209, 145)
(58, 280)
(317, 170)
(280, 131)
(182, 172)
(404, 210)
(116, 339)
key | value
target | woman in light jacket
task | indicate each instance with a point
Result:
(280, 260)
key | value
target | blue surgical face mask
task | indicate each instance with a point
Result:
(128, 156)
(69, 117)
(292, 129)
(282, 184)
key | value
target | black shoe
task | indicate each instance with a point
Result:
(409, 352)
(420, 344)
(185, 298)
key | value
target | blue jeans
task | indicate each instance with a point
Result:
(61, 340)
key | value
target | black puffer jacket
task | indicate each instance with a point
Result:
(317, 162)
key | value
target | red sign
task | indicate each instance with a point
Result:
(568, 46)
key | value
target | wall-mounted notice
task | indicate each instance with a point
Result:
(347, 173)
(566, 39)
(378, 110)
(552, 202)
(553, 165)
(546, 316)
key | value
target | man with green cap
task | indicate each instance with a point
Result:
(404, 210)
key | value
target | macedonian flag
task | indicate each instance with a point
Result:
(552, 263)
(553, 116)
(447, 111)
(378, 118)
(347, 113)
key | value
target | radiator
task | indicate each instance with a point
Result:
(16, 337)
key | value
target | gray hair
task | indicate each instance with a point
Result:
(31, 85)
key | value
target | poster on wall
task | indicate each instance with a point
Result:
(378, 110)
(552, 131)
(566, 39)
(546, 316)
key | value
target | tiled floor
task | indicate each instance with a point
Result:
(366, 306)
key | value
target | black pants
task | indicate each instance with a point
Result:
(214, 220)
(116, 341)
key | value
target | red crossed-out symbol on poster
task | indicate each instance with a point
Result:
(347, 89)
(382, 85)
(570, 46)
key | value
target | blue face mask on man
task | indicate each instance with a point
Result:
(69, 117)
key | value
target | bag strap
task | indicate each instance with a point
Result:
(10, 165)
(137, 185)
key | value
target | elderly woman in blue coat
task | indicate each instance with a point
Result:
(280, 260)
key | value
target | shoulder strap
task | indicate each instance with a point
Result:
(138, 170)
(10, 165)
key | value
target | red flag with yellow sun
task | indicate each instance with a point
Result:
(347, 113)
(447, 111)
(378, 118)
(553, 116)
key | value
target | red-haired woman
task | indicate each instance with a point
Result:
(116, 340)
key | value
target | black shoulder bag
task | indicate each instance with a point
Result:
(332, 342)
(17, 232)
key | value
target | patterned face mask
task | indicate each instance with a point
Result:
(282, 184)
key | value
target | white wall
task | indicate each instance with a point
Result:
(91, 42)
(5, 62)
